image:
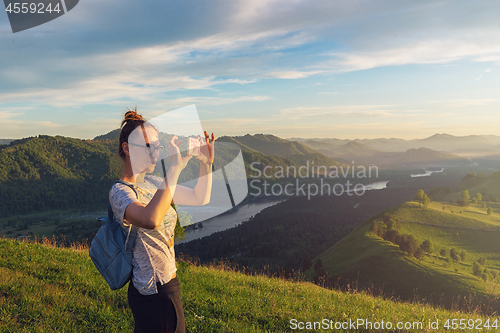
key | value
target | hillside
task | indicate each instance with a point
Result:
(272, 145)
(467, 146)
(355, 150)
(45, 172)
(417, 157)
(111, 135)
(372, 262)
(283, 237)
(67, 173)
(48, 289)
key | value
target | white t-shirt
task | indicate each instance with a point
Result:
(152, 258)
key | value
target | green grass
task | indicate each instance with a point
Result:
(362, 259)
(48, 289)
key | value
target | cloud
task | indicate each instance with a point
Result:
(11, 112)
(337, 111)
(420, 52)
(291, 74)
(463, 102)
(166, 54)
(487, 58)
(478, 78)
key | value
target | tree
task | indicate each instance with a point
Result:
(427, 246)
(408, 244)
(419, 196)
(484, 204)
(454, 254)
(474, 200)
(391, 225)
(374, 227)
(419, 254)
(481, 261)
(465, 195)
(479, 197)
(477, 269)
(468, 176)
(463, 255)
(318, 268)
(442, 253)
(306, 264)
(489, 211)
(392, 236)
(426, 200)
(387, 217)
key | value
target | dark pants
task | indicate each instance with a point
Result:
(158, 313)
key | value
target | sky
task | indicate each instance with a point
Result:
(292, 68)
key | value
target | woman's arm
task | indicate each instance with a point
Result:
(200, 195)
(150, 216)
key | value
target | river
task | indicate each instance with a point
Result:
(226, 221)
(426, 174)
(231, 220)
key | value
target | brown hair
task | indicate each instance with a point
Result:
(130, 122)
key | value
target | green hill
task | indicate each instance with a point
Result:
(272, 145)
(111, 135)
(48, 289)
(369, 261)
(44, 173)
(46, 158)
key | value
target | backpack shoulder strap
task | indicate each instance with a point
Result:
(132, 233)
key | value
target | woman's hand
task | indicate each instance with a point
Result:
(175, 154)
(206, 150)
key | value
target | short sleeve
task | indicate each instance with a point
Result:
(120, 196)
(155, 180)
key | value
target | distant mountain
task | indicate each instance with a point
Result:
(417, 157)
(332, 144)
(275, 146)
(446, 142)
(58, 172)
(355, 150)
(471, 146)
(5, 141)
(392, 144)
(112, 135)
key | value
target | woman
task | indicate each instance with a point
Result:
(154, 292)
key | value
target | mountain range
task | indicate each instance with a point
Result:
(465, 146)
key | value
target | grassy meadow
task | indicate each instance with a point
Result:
(366, 261)
(44, 288)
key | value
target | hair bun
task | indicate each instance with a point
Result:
(132, 115)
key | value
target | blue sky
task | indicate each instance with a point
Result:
(292, 68)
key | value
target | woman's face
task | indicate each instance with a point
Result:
(141, 160)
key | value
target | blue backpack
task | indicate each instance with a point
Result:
(111, 255)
